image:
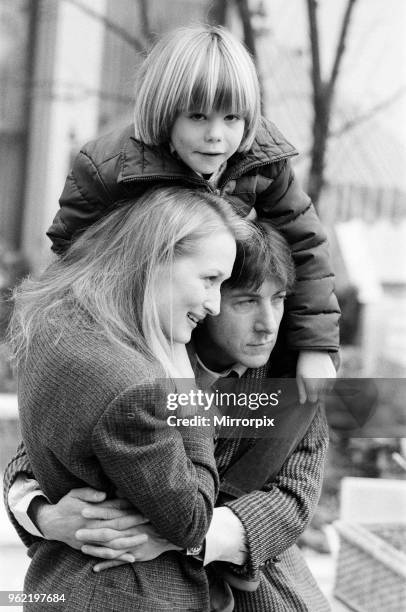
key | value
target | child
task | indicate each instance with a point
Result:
(197, 123)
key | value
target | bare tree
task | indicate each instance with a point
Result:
(217, 14)
(323, 95)
(323, 89)
(137, 44)
(249, 35)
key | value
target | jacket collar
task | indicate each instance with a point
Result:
(144, 162)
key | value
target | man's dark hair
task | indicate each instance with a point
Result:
(265, 255)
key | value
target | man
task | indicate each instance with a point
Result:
(269, 486)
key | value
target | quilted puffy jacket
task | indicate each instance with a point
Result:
(116, 166)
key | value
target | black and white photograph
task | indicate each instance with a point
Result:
(203, 305)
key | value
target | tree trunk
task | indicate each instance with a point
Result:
(323, 95)
(218, 12)
(249, 36)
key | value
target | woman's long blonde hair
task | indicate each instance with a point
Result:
(108, 276)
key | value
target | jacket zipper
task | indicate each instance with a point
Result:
(243, 169)
(204, 183)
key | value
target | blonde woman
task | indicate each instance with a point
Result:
(96, 339)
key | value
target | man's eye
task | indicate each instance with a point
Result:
(245, 303)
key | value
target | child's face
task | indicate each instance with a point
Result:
(205, 142)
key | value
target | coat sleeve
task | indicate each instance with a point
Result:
(84, 198)
(169, 475)
(312, 309)
(17, 465)
(276, 516)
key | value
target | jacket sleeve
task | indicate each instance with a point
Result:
(276, 516)
(17, 465)
(312, 310)
(85, 197)
(169, 475)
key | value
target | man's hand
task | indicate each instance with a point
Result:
(117, 538)
(81, 509)
(314, 375)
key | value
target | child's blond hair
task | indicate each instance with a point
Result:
(199, 68)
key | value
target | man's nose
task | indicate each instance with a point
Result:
(212, 301)
(266, 321)
(214, 131)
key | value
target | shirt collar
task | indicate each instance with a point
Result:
(205, 377)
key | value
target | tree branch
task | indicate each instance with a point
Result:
(371, 112)
(110, 25)
(340, 50)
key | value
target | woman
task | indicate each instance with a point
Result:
(95, 340)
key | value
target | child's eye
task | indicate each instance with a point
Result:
(197, 116)
(231, 118)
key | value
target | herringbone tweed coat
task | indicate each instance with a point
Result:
(93, 415)
(274, 514)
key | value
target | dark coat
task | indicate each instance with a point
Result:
(117, 166)
(85, 421)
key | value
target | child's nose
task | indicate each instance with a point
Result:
(214, 130)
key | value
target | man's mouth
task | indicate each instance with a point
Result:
(259, 345)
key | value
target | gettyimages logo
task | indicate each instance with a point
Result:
(206, 401)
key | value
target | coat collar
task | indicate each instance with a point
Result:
(144, 162)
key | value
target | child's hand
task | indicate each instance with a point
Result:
(313, 371)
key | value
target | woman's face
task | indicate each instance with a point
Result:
(191, 290)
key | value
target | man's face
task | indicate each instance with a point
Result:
(245, 331)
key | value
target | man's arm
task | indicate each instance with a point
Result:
(276, 516)
(187, 473)
(18, 465)
(251, 529)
